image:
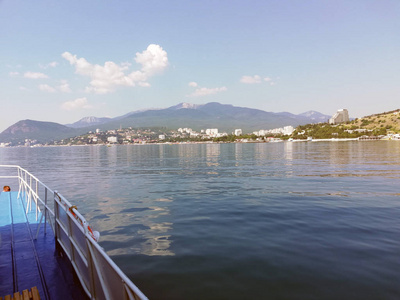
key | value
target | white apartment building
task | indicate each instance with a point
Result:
(112, 139)
(187, 130)
(238, 132)
(212, 132)
(288, 130)
(341, 116)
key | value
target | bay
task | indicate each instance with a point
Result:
(307, 220)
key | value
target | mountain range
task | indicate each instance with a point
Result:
(225, 117)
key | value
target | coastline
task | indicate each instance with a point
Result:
(212, 142)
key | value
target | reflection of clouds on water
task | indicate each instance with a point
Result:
(134, 228)
(157, 242)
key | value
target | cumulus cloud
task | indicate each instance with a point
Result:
(13, 74)
(207, 91)
(250, 79)
(79, 103)
(46, 88)
(153, 60)
(35, 75)
(105, 79)
(193, 84)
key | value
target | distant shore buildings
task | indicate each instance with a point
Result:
(287, 130)
(341, 116)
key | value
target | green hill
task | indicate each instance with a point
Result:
(373, 125)
(36, 130)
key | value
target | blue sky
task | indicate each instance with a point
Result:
(64, 60)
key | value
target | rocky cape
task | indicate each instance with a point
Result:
(211, 115)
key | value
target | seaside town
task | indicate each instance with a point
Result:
(339, 126)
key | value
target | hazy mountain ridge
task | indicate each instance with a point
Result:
(315, 115)
(225, 117)
(88, 121)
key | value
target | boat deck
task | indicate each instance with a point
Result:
(26, 262)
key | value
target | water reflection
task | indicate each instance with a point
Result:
(288, 151)
(238, 152)
(212, 153)
(134, 227)
(129, 193)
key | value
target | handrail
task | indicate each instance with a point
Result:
(100, 277)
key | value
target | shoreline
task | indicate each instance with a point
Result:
(211, 142)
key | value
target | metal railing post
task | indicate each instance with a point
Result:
(37, 206)
(45, 210)
(56, 229)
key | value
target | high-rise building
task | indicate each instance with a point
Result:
(341, 116)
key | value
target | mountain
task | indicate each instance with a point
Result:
(315, 116)
(225, 117)
(88, 121)
(36, 130)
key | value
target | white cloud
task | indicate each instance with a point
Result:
(13, 74)
(256, 79)
(105, 79)
(144, 84)
(79, 103)
(35, 75)
(153, 60)
(250, 79)
(46, 88)
(22, 88)
(207, 91)
(52, 64)
(64, 87)
(193, 84)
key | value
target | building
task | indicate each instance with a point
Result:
(238, 132)
(212, 132)
(112, 139)
(341, 116)
(288, 130)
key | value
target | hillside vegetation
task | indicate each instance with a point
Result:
(374, 125)
(388, 120)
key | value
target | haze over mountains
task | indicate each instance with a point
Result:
(211, 115)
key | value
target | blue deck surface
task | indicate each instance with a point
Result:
(26, 262)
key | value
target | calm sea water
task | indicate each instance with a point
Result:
(317, 220)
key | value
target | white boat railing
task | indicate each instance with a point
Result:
(99, 276)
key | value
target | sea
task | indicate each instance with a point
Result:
(288, 220)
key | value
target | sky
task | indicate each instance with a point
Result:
(61, 61)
